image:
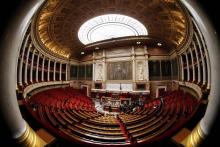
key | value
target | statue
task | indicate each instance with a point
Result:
(99, 72)
(140, 71)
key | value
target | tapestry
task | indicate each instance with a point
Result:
(119, 70)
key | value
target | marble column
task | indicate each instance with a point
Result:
(11, 119)
(202, 57)
(187, 66)
(133, 64)
(182, 69)
(198, 63)
(104, 67)
(209, 122)
(93, 66)
(22, 60)
(48, 71)
(37, 68)
(42, 70)
(60, 76)
(54, 71)
(32, 64)
(26, 64)
(193, 66)
(207, 57)
(146, 61)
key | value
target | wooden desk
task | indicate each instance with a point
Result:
(47, 137)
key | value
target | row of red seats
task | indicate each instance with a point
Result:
(64, 98)
(178, 101)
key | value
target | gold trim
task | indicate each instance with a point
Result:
(30, 139)
(195, 138)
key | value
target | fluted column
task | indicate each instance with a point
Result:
(207, 58)
(187, 66)
(210, 122)
(193, 66)
(93, 65)
(48, 70)
(146, 61)
(54, 71)
(60, 76)
(11, 119)
(22, 60)
(182, 70)
(104, 67)
(37, 68)
(42, 70)
(208, 69)
(66, 72)
(32, 63)
(202, 58)
(26, 65)
(198, 63)
(133, 65)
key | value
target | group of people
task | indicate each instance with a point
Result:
(128, 108)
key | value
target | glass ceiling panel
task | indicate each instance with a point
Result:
(110, 26)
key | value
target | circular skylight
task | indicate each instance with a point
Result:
(110, 26)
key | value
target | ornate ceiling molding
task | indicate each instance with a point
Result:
(58, 21)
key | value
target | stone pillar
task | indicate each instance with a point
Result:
(48, 70)
(26, 65)
(187, 65)
(37, 68)
(208, 124)
(42, 70)
(22, 60)
(32, 63)
(133, 64)
(104, 67)
(54, 71)
(133, 67)
(198, 64)
(60, 76)
(207, 58)
(193, 66)
(93, 67)
(146, 61)
(11, 119)
(182, 70)
(202, 57)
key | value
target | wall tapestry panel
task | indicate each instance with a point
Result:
(119, 70)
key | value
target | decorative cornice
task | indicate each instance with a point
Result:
(187, 40)
(40, 47)
(32, 87)
(193, 86)
(196, 137)
(30, 138)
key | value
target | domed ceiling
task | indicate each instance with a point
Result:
(58, 21)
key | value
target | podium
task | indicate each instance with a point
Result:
(113, 103)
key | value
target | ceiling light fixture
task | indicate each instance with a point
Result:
(159, 44)
(138, 42)
(82, 53)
